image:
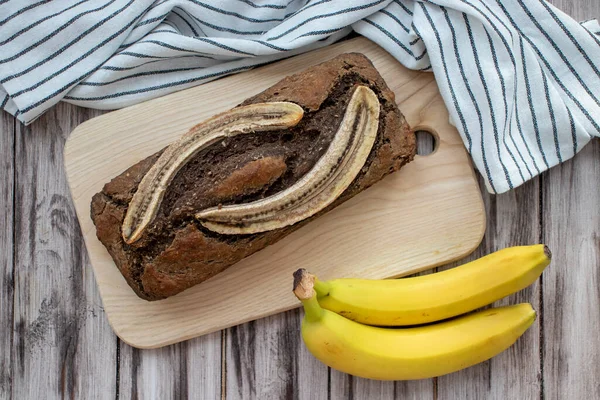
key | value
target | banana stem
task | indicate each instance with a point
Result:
(304, 290)
(304, 283)
(322, 288)
(312, 309)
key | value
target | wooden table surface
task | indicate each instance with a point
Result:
(55, 341)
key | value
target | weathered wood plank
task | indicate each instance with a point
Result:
(513, 219)
(571, 289)
(415, 390)
(63, 346)
(266, 359)
(187, 370)
(571, 296)
(347, 387)
(7, 135)
(580, 10)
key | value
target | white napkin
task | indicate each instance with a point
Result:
(520, 78)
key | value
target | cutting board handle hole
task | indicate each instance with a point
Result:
(427, 142)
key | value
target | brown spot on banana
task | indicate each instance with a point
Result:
(251, 118)
(325, 182)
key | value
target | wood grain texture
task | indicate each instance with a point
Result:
(7, 136)
(187, 370)
(571, 318)
(436, 196)
(580, 10)
(63, 347)
(266, 359)
(347, 387)
(571, 294)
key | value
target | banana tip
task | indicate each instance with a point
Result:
(298, 274)
(547, 252)
(304, 283)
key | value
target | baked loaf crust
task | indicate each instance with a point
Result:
(175, 251)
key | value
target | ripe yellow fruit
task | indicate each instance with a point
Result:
(438, 296)
(409, 353)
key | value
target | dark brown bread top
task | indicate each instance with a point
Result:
(175, 251)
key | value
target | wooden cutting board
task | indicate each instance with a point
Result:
(429, 213)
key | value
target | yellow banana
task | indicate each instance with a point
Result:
(433, 297)
(409, 353)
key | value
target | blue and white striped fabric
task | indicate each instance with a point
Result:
(520, 78)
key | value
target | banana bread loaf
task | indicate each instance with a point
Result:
(247, 178)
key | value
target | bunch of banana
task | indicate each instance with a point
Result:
(339, 314)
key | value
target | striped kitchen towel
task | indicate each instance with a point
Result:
(520, 78)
